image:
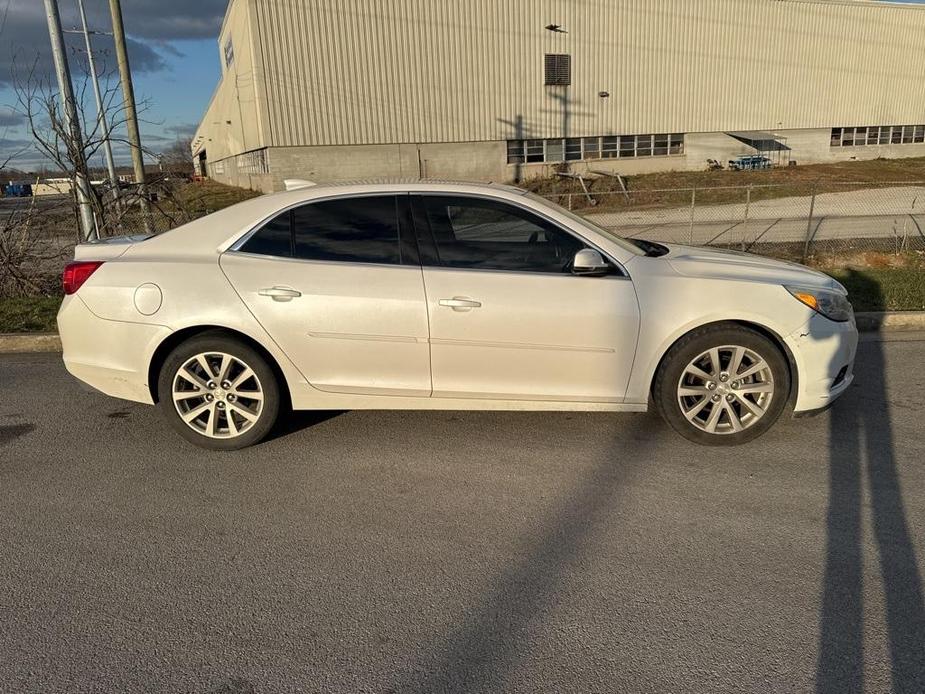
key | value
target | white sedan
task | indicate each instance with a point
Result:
(445, 297)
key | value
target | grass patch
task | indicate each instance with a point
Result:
(720, 187)
(208, 196)
(30, 314)
(884, 289)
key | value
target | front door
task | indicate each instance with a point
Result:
(338, 286)
(508, 319)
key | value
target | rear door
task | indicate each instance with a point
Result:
(338, 285)
(508, 319)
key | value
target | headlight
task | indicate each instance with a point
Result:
(833, 305)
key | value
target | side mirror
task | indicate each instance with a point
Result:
(590, 263)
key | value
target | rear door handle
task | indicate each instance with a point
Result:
(460, 303)
(280, 293)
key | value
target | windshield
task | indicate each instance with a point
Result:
(588, 224)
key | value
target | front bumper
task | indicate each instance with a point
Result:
(824, 353)
(111, 356)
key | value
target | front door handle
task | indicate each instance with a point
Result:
(280, 293)
(460, 303)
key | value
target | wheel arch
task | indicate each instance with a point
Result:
(776, 339)
(177, 338)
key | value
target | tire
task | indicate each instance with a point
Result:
(242, 409)
(711, 406)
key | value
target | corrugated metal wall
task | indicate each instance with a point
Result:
(363, 72)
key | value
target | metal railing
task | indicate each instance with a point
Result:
(798, 221)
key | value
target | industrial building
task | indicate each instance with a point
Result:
(504, 90)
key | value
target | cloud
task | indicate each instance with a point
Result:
(14, 144)
(151, 26)
(9, 118)
(182, 129)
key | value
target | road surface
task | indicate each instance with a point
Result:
(462, 552)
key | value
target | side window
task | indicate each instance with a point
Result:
(358, 230)
(273, 238)
(490, 235)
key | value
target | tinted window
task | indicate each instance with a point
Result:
(360, 230)
(490, 235)
(272, 239)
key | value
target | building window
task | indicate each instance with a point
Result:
(558, 69)
(557, 150)
(590, 148)
(627, 146)
(878, 135)
(554, 150)
(253, 162)
(515, 152)
(535, 152)
(218, 167)
(229, 53)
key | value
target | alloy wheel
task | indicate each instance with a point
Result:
(726, 390)
(217, 395)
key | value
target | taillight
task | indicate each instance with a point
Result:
(75, 274)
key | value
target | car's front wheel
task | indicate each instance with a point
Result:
(722, 385)
(218, 392)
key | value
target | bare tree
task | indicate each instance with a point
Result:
(37, 101)
(177, 159)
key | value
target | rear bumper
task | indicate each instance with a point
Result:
(111, 356)
(824, 353)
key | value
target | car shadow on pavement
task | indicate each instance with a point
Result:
(861, 447)
(482, 650)
(294, 421)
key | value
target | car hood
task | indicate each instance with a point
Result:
(734, 265)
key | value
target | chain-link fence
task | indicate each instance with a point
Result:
(38, 234)
(790, 221)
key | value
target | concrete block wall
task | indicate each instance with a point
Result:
(487, 161)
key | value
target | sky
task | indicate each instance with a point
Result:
(173, 53)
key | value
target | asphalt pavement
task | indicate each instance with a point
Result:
(463, 552)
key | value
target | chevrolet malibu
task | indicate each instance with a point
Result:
(445, 296)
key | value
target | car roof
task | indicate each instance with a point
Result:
(405, 184)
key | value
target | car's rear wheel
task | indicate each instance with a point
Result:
(218, 392)
(722, 385)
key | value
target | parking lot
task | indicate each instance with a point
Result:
(463, 552)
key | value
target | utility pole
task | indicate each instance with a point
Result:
(131, 117)
(101, 119)
(66, 90)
